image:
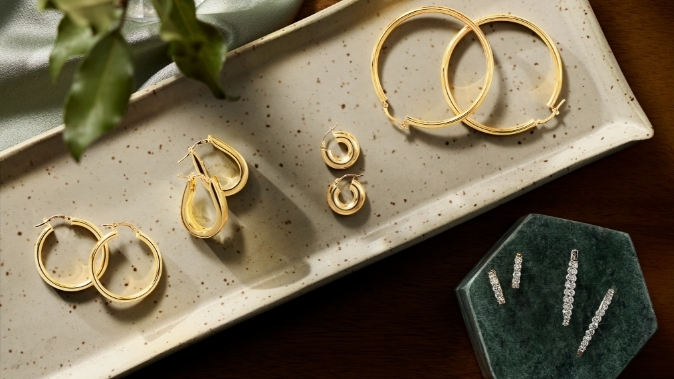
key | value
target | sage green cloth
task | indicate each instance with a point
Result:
(31, 104)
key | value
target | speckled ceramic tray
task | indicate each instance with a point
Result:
(282, 239)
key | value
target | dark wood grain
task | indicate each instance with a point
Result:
(399, 318)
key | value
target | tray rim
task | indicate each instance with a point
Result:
(132, 365)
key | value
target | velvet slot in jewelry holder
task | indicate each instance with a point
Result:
(524, 337)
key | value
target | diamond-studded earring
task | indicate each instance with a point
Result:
(517, 271)
(595, 321)
(496, 286)
(570, 285)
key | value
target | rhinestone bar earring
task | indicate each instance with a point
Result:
(569, 287)
(517, 271)
(496, 286)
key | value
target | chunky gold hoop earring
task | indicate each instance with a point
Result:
(381, 94)
(217, 196)
(157, 265)
(555, 93)
(353, 206)
(37, 253)
(229, 151)
(352, 146)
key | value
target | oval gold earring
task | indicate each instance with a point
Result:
(556, 58)
(44, 273)
(381, 94)
(157, 265)
(352, 149)
(217, 196)
(352, 206)
(230, 152)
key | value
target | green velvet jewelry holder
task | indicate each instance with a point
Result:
(524, 338)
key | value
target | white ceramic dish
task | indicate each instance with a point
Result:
(282, 240)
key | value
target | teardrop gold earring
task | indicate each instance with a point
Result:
(350, 207)
(352, 149)
(187, 215)
(216, 191)
(227, 150)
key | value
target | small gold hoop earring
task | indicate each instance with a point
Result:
(556, 58)
(352, 146)
(157, 265)
(37, 253)
(212, 186)
(227, 150)
(381, 94)
(351, 207)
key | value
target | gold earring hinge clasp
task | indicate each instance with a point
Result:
(555, 112)
(353, 176)
(114, 225)
(324, 146)
(401, 124)
(193, 175)
(190, 149)
(47, 220)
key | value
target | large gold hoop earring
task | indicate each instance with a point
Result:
(44, 273)
(157, 265)
(217, 196)
(556, 58)
(351, 207)
(352, 150)
(227, 150)
(381, 94)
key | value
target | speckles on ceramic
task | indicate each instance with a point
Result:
(281, 237)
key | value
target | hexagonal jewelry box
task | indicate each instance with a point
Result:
(524, 337)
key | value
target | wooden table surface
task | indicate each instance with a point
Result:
(399, 318)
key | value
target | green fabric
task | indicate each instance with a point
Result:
(31, 104)
(524, 338)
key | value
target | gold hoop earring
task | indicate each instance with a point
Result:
(353, 206)
(44, 273)
(374, 68)
(217, 196)
(227, 150)
(555, 93)
(352, 146)
(157, 265)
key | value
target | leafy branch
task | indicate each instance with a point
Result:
(103, 82)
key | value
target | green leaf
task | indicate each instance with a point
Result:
(99, 14)
(99, 94)
(45, 4)
(168, 31)
(201, 61)
(72, 40)
(197, 48)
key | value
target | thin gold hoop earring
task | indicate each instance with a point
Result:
(352, 146)
(556, 58)
(37, 253)
(227, 150)
(351, 207)
(157, 265)
(212, 186)
(381, 94)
